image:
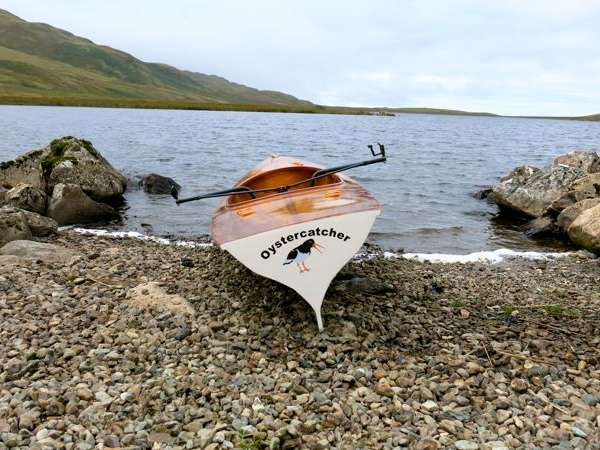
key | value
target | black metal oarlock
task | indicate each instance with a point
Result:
(312, 180)
(323, 172)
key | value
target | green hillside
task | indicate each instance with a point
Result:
(44, 65)
(593, 118)
(447, 112)
(38, 60)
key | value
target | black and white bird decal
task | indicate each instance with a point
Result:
(301, 253)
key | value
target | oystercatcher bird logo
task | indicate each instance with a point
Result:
(301, 254)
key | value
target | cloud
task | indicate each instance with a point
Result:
(504, 56)
(453, 82)
(382, 76)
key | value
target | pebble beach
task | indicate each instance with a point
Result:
(123, 343)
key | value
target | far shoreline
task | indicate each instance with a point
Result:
(272, 108)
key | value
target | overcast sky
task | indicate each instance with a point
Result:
(508, 57)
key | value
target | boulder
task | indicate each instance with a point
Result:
(520, 173)
(38, 251)
(67, 160)
(11, 260)
(13, 225)
(151, 295)
(485, 194)
(540, 227)
(69, 205)
(157, 184)
(24, 169)
(2, 195)
(588, 161)
(76, 161)
(27, 197)
(38, 225)
(568, 199)
(585, 229)
(569, 214)
(529, 191)
(587, 186)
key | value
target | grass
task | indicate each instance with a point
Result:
(556, 311)
(457, 304)
(559, 311)
(592, 118)
(145, 103)
(57, 151)
(246, 442)
(112, 102)
(39, 60)
(507, 310)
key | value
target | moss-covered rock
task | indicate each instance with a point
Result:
(68, 161)
(76, 161)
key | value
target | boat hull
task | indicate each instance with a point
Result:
(280, 254)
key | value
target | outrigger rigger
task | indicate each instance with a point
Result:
(295, 222)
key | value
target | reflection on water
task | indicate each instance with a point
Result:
(435, 163)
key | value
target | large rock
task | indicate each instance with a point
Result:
(569, 199)
(529, 192)
(585, 229)
(25, 196)
(24, 169)
(151, 295)
(13, 225)
(2, 195)
(69, 205)
(11, 260)
(66, 161)
(568, 215)
(38, 225)
(38, 251)
(588, 161)
(519, 174)
(76, 161)
(157, 184)
(540, 227)
(587, 186)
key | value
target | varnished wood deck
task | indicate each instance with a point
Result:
(240, 216)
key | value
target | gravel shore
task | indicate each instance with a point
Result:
(414, 355)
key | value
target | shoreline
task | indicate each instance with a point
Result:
(369, 250)
(273, 108)
(413, 354)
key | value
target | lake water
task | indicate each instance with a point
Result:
(435, 162)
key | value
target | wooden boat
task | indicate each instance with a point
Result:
(295, 222)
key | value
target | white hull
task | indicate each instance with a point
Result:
(340, 237)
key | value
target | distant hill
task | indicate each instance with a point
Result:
(44, 65)
(593, 117)
(449, 112)
(38, 60)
